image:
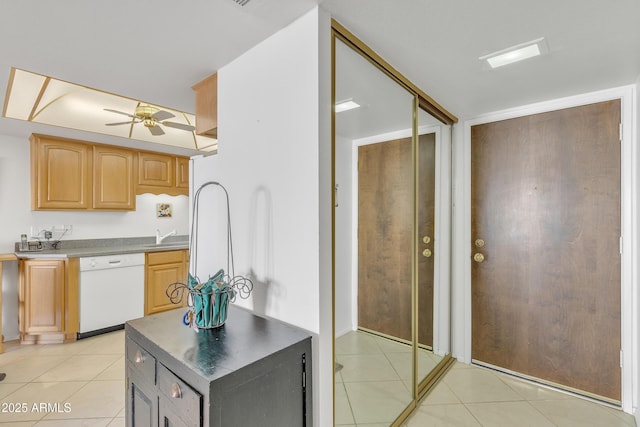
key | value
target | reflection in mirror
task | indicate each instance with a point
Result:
(373, 243)
(433, 135)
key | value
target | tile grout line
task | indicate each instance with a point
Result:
(501, 379)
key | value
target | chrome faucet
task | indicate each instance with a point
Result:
(160, 238)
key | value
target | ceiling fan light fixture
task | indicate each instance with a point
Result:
(42, 99)
(515, 53)
(145, 111)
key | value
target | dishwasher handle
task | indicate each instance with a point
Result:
(111, 261)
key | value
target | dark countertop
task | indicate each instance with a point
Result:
(213, 353)
(98, 247)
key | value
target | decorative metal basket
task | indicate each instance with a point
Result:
(208, 301)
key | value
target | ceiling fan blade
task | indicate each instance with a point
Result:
(162, 115)
(120, 112)
(122, 123)
(156, 130)
(180, 126)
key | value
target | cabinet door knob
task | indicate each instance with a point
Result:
(176, 392)
(139, 357)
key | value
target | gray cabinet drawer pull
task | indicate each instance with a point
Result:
(176, 392)
(139, 357)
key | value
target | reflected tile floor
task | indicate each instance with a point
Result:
(373, 384)
(66, 385)
(468, 396)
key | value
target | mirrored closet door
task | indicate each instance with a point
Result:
(391, 267)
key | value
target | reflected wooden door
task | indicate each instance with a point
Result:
(546, 203)
(426, 231)
(385, 224)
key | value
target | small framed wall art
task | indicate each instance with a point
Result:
(164, 210)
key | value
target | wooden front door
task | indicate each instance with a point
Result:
(546, 204)
(385, 224)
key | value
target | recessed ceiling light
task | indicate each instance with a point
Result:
(515, 53)
(345, 105)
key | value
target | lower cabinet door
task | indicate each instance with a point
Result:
(142, 405)
(42, 300)
(168, 414)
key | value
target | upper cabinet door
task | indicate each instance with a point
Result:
(113, 178)
(162, 174)
(61, 175)
(182, 172)
(156, 170)
(206, 93)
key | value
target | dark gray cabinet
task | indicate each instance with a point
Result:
(250, 372)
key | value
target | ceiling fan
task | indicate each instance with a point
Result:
(152, 118)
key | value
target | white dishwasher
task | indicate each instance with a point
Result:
(111, 292)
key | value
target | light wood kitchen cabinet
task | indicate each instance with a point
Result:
(162, 174)
(74, 175)
(60, 174)
(206, 94)
(113, 178)
(156, 170)
(48, 300)
(182, 173)
(163, 269)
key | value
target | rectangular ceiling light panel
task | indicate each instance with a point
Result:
(27, 86)
(346, 105)
(515, 53)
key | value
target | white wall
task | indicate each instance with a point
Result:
(270, 148)
(16, 218)
(268, 161)
(460, 223)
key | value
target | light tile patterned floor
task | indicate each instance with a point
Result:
(468, 396)
(83, 384)
(66, 385)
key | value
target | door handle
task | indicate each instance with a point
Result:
(426, 253)
(478, 257)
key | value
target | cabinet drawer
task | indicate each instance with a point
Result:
(142, 361)
(187, 401)
(165, 257)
